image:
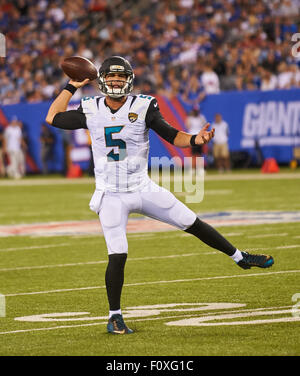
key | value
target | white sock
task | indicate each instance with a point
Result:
(114, 313)
(237, 256)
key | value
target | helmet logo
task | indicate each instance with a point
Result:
(116, 68)
(132, 117)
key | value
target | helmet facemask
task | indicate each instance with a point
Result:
(125, 87)
(119, 66)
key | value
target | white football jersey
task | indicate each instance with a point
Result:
(120, 142)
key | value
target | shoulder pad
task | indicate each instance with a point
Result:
(146, 97)
(141, 105)
(89, 105)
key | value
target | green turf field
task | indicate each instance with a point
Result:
(181, 297)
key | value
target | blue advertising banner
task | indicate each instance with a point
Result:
(270, 119)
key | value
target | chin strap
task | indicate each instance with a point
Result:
(107, 90)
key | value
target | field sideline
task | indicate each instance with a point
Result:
(181, 297)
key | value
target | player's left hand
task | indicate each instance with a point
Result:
(204, 136)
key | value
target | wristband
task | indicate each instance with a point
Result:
(70, 88)
(192, 140)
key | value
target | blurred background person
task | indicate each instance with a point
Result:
(2, 165)
(47, 143)
(220, 144)
(67, 147)
(91, 161)
(268, 80)
(14, 147)
(285, 76)
(194, 123)
(210, 80)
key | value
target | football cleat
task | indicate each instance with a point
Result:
(116, 325)
(261, 261)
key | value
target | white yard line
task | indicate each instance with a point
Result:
(52, 328)
(45, 181)
(35, 247)
(270, 248)
(103, 261)
(233, 234)
(91, 181)
(208, 192)
(253, 176)
(266, 235)
(156, 282)
(130, 259)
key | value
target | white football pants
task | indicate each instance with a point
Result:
(153, 201)
(16, 167)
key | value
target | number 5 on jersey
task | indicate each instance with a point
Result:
(112, 156)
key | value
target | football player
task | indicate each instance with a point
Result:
(119, 125)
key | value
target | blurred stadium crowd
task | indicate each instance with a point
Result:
(177, 47)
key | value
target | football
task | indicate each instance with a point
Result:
(79, 68)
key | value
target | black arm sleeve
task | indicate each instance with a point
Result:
(74, 119)
(154, 120)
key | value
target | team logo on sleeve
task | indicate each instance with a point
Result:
(132, 117)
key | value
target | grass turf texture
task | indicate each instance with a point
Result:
(162, 268)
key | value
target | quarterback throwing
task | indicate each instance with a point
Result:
(119, 125)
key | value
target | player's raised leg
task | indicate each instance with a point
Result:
(161, 204)
(214, 239)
